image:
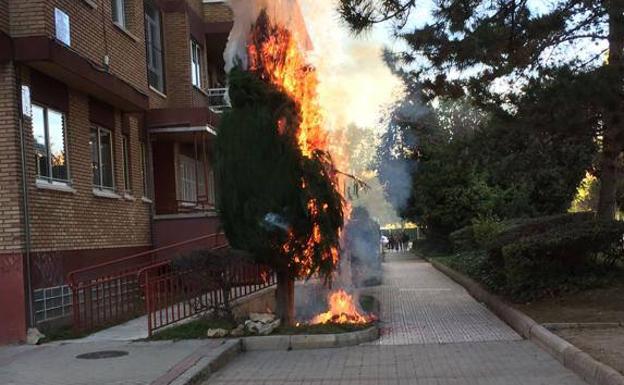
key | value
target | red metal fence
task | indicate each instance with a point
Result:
(174, 293)
(109, 293)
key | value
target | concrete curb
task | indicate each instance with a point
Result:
(582, 325)
(201, 364)
(310, 341)
(581, 363)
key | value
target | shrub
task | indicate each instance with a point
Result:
(478, 235)
(515, 229)
(530, 257)
(557, 257)
(463, 239)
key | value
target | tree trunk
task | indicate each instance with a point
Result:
(608, 179)
(612, 135)
(285, 297)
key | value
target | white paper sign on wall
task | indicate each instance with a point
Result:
(61, 21)
(26, 105)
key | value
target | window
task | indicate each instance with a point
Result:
(196, 63)
(153, 43)
(187, 182)
(125, 144)
(50, 148)
(118, 8)
(144, 168)
(102, 158)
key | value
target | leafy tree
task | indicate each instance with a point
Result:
(489, 42)
(275, 203)
(468, 164)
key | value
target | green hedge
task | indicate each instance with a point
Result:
(527, 258)
(555, 257)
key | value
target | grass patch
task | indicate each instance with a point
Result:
(328, 328)
(367, 303)
(65, 332)
(195, 329)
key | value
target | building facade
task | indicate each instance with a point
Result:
(108, 111)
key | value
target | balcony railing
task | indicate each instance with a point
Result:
(217, 99)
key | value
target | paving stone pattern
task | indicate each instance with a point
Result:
(421, 305)
(56, 364)
(434, 334)
(487, 363)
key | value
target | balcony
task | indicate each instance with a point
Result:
(218, 99)
(183, 175)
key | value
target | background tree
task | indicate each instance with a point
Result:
(467, 164)
(469, 46)
(275, 203)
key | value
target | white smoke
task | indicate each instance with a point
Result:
(282, 12)
(355, 83)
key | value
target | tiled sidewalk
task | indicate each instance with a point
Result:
(434, 333)
(420, 305)
(146, 363)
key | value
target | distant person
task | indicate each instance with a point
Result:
(405, 241)
(384, 241)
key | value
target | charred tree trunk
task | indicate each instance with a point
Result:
(612, 135)
(285, 296)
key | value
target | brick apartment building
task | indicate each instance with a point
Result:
(108, 111)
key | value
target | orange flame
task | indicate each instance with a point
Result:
(275, 54)
(285, 65)
(342, 310)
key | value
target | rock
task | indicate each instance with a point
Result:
(217, 333)
(238, 331)
(252, 326)
(33, 336)
(267, 329)
(262, 317)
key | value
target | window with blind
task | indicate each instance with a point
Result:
(154, 47)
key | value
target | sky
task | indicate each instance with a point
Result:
(356, 86)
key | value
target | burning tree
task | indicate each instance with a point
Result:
(279, 197)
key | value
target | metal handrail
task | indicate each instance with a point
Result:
(72, 274)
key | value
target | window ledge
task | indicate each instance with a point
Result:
(158, 92)
(105, 194)
(146, 200)
(55, 186)
(90, 3)
(200, 90)
(128, 197)
(125, 31)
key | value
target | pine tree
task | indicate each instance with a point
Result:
(274, 202)
(489, 41)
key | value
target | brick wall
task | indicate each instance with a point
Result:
(196, 6)
(177, 59)
(27, 17)
(4, 16)
(10, 162)
(81, 220)
(93, 34)
(217, 12)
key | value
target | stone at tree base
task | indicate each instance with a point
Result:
(238, 331)
(217, 333)
(268, 328)
(262, 317)
(261, 328)
(33, 336)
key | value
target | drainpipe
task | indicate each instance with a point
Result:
(25, 206)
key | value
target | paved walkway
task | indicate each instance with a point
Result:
(421, 305)
(433, 333)
(153, 363)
